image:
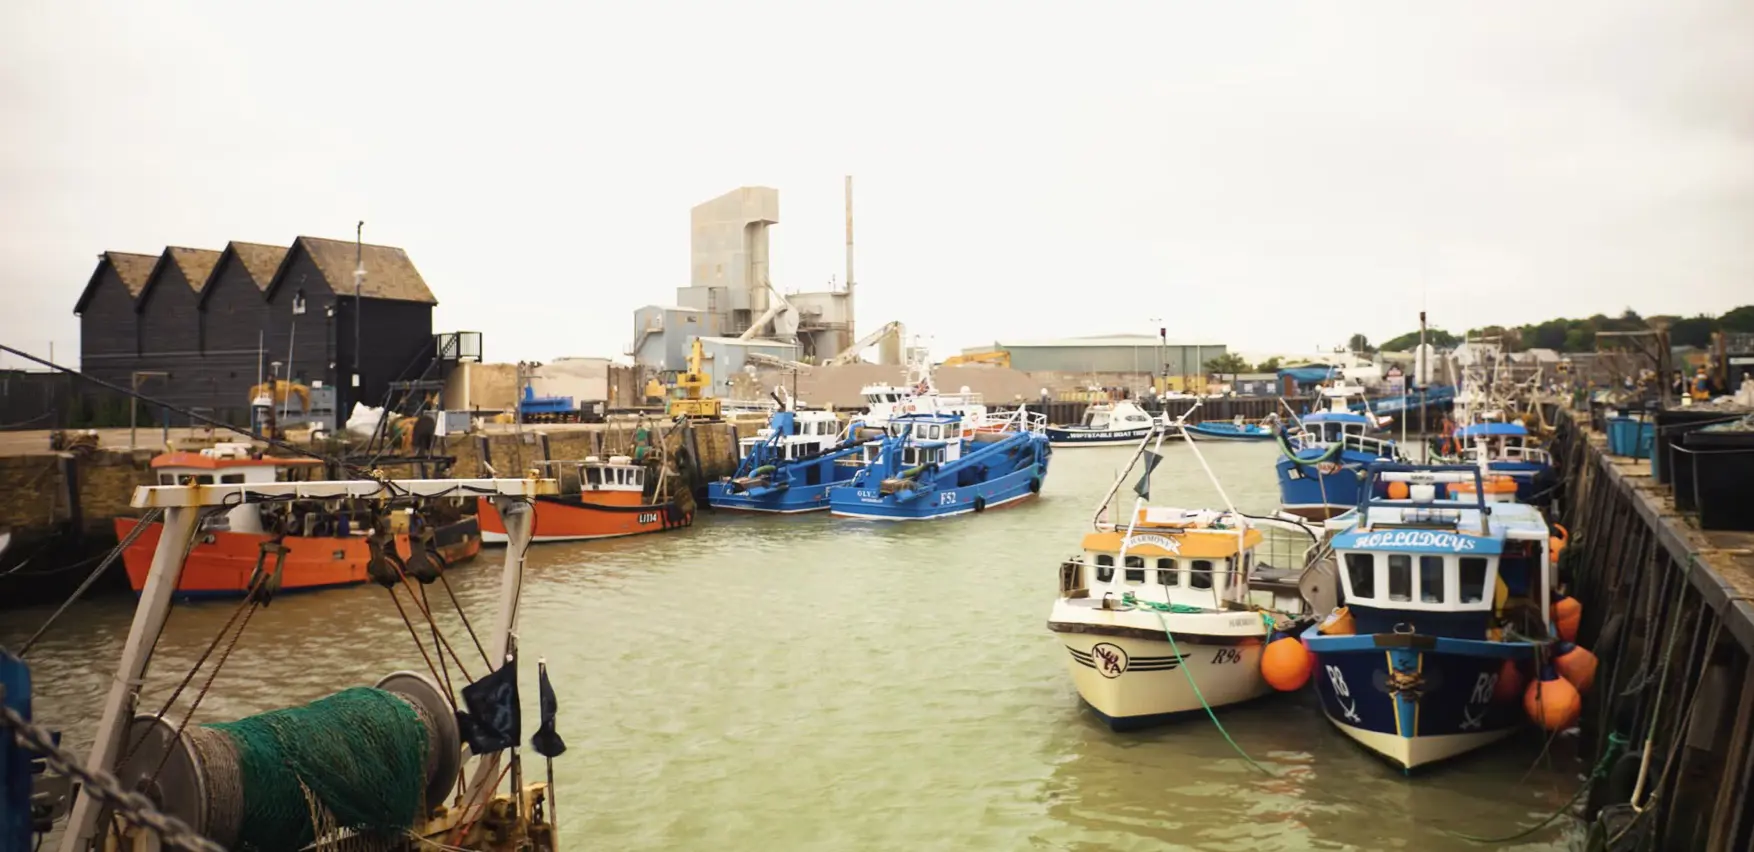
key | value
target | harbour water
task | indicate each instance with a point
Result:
(814, 683)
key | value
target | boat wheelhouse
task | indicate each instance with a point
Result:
(1105, 424)
(1508, 450)
(1440, 595)
(597, 499)
(1321, 465)
(941, 464)
(312, 544)
(790, 465)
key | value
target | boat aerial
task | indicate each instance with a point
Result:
(599, 499)
(309, 544)
(1157, 613)
(790, 465)
(934, 465)
(1105, 424)
(1443, 602)
(1321, 465)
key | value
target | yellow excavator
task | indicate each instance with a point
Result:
(688, 390)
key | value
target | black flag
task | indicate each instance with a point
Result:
(1143, 489)
(546, 741)
(491, 722)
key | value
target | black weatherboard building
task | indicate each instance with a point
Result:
(200, 322)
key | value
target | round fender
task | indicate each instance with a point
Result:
(980, 504)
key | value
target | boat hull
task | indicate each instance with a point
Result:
(221, 563)
(795, 499)
(1073, 437)
(1132, 682)
(1206, 431)
(1415, 700)
(569, 518)
(1321, 491)
(868, 503)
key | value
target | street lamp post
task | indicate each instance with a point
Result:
(1162, 368)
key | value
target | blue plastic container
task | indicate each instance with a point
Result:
(1631, 436)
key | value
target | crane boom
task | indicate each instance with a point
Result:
(852, 352)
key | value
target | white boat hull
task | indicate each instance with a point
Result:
(1132, 682)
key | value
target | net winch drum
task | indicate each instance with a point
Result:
(194, 776)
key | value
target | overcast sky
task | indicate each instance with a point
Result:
(1270, 175)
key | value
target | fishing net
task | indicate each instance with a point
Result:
(356, 759)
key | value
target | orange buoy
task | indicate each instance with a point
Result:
(1398, 491)
(1566, 612)
(1576, 664)
(1286, 664)
(1510, 683)
(1552, 702)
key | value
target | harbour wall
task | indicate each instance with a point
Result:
(1668, 608)
(60, 507)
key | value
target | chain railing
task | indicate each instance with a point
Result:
(103, 786)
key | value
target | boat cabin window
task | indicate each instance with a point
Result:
(1361, 573)
(1473, 577)
(1431, 579)
(231, 478)
(1400, 577)
(1135, 569)
(1105, 568)
(921, 455)
(1200, 574)
(1167, 573)
(593, 476)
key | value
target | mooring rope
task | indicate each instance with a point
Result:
(1163, 611)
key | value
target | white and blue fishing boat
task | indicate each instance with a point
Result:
(1321, 466)
(1106, 424)
(1231, 430)
(1437, 595)
(938, 464)
(790, 465)
(1508, 450)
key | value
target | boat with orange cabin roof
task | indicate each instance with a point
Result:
(597, 499)
(324, 546)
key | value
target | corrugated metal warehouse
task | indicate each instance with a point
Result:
(1110, 353)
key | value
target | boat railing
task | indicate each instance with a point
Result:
(1020, 420)
(1351, 441)
(1512, 453)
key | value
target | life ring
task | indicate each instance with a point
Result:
(1035, 485)
(980, 504)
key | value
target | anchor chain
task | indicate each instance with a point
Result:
(104, 787)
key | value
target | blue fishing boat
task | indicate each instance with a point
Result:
(1438, 595)
(790, 465)
(1321, 466)
(1509, 450)
(1230, 430)
(934, 465)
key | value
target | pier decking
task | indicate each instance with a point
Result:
(1669, 610)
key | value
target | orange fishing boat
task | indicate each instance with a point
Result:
(322, 548)
(597, 499)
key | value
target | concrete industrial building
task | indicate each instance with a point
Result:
(731, 301)
(1110, 354)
